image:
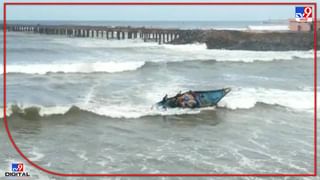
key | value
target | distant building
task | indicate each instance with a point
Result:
(295, 25)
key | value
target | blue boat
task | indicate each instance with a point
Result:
(194, 99)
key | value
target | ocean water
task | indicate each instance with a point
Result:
(84, 105)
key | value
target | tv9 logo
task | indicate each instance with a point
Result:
(17, 170)
(304, 13)
(17, 167)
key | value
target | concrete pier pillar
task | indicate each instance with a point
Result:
(76, 33)
(108, 34)
(113, 35)
(118, 35)
(67, 32)
(86, 32)
(81, 33)
(122, 35)
(93, 33)
(161, 38)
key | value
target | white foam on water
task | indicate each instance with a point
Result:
(200, 52)
(83, 155)
(245, 98)
(231, 28)
(241, 98)
(136, 53)
(109, 67)
(269, 28)
(36, 155)
(137, 111)
(45, 111)
(103, 43)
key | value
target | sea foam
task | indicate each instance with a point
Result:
(109, 67)
(238, 98)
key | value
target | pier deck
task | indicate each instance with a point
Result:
(106, 32)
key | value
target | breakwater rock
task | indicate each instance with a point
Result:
(242, 40)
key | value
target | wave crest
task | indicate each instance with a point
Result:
(108, 67)
(241, 98)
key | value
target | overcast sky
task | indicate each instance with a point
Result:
(149, 13)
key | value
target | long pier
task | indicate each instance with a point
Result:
(214, 39)
(104, 32)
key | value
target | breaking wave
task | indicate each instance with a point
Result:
(185, 56)
(131, 55)
(241, 98)
(247, 98)
(109, 67)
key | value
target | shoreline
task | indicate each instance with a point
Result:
(214, 39)
(250, 40)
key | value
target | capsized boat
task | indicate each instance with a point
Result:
(194, 99)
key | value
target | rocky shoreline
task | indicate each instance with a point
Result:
(257, 41)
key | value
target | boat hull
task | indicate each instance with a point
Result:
(202, 98)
